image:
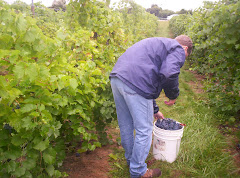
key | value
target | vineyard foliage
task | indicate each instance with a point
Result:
(54, 83)
(215, 30)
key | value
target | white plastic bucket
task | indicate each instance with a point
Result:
(166, 143)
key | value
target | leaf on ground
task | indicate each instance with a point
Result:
(118, 165)
(113, 156)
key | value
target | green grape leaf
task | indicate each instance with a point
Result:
(29, 163)
(11, 167)
(17, 140)
(46, 114)
(13, 93)
(73, 83)
(41, 107)
(42, 145)
(81, 130)
(61, 85)
(21, 23)
(19, 70)
(63, 101)
(14, 54)
(43, 72)
(28, 174)
(50, 170)
(28, 108)
(30, 35)
(49, 156)
(20, 171)
(14, 153)
(32, 71)
(6, 41)
(97, 71)
(28, 123)
(39, 45)
(91, 147)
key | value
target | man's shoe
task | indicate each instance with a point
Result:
(152, 173)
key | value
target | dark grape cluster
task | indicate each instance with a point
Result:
(18, 106)
(77, 154)
(168, 124)
(8, 127)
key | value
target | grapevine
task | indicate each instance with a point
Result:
(214, 29)
(54, 81)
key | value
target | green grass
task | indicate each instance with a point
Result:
(203, 148)
(163, 29)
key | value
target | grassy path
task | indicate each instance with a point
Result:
(203, 150)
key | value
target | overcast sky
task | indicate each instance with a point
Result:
(174, 5)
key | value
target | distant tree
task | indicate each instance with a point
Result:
(59, 4)
(159, 12)
(183, 11)
(154, 10)
(165, 13)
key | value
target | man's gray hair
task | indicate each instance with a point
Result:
(185, 41)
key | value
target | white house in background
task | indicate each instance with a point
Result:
(171, 16)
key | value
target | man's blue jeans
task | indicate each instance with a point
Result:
(134, 112)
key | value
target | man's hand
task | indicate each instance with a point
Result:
(158, 115)
(170, 102)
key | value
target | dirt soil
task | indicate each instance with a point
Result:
(93, 164)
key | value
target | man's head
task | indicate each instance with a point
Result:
(186, 43)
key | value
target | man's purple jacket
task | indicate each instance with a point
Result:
(151, 65)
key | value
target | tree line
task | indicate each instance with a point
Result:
(164, 13)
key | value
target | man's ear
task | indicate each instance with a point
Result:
(185, 47)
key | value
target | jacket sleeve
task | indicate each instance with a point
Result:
(169, 72)
(155, 107)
